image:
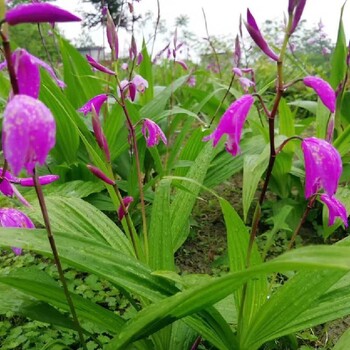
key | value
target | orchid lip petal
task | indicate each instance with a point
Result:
(336, 209)
(38, 13)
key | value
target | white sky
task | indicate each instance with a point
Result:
(223, 15)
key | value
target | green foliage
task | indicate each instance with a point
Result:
(122, 274)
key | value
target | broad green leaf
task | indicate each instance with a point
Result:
(82, 218)
(160, 238)
(237, 243)
(286, 126)
(194, 299)
(338, 60)
(67, 138)
(322, 118)
(274, 318)
(92, 256)
(224, 165)
(157, 105)
(183, 202)
(310, 106)
(146, 73)
(253, 168)
(77, 189)
(191, 150)
(343, 342)
(122, 270)
(81, 82)
(41, 286)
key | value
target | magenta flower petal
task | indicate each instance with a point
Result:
(29, 133)
(152, 133)
(232, 123)
(323, 90)
(37, 13)
(336, 209)
(43, 180)
(96, 101)
(99, 66)
(298, 6)
(100, 136)
(182, 64)
(10, 217)
(126, 201)
(258, 38)
(28, 75)
(323, 166)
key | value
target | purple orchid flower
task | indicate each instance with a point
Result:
(152, 133)
(232, 123)
(191, 82)
(8, 188)
(38, 13)
(140, 83)
(29, 133)
(96, 102)
(323, 166)
(245, 83)
(100, 174)
(126, 201)
(258, 38)
(335, 208)
(323, 90)
(27, 72)
(99, 66)
(10, 217)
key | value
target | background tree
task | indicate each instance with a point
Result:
(118, 10)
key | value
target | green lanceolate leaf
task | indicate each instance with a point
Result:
(41, 286)
(338, 60)
(343, 342)
(82, 218)
(92, 256)
(253, 169)
(78, 76)
(194, 299)
(237, 246)
(160, 238)
(183, 202)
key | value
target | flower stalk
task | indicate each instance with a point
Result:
(57, 260)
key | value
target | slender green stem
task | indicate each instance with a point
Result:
(128, 221)
(310, 204)
(139, 175)
(7, 52)
(57, 260)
